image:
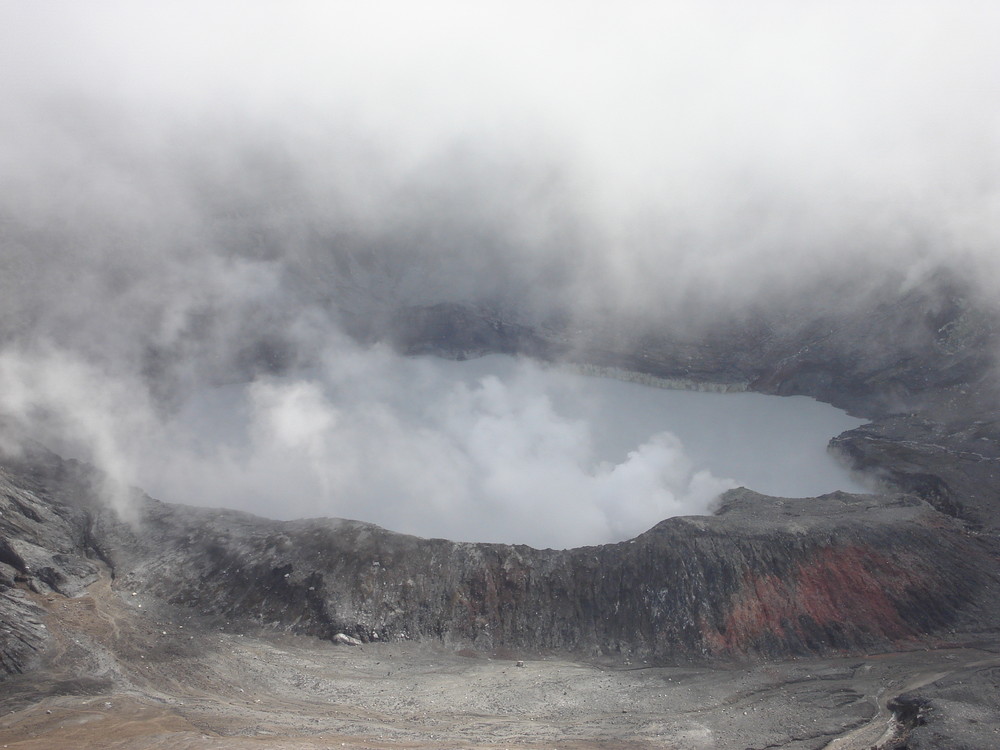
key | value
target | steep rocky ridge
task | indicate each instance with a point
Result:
(45, 546)
(763, 576)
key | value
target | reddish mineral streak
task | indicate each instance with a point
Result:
(836, 586)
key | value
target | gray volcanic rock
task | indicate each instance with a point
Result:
(22, 633)
(45, 546)
(764, 576)
(959, 714)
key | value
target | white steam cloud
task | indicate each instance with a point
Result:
(407, 444)
(70, 405)
(200, 194)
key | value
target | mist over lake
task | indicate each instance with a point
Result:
(495, 449)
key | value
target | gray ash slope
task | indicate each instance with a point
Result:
(763, 577)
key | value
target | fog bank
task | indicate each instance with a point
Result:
(193, 195)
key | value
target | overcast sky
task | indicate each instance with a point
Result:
(740, 131)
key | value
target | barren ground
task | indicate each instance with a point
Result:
(121, 672)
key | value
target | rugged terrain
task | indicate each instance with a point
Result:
(856, 620)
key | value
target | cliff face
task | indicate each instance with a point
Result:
(45, 546)
(763, 576)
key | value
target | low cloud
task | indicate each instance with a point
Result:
(193, 196)
(408, 445)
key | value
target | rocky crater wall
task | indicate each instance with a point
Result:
(762, 577)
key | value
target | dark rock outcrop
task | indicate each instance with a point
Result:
(45, 547)
(959, 712)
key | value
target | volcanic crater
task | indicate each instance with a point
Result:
(837, 621)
